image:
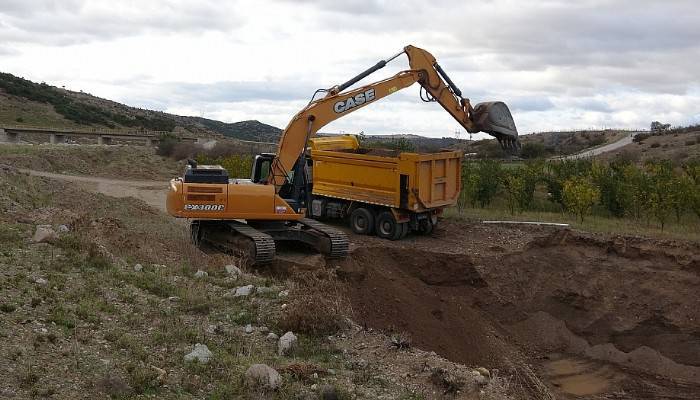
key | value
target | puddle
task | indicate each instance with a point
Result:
(579, 377)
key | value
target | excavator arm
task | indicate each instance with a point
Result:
(493, 118)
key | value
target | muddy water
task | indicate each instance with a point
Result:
(578, 376)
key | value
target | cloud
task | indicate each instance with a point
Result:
(558, 64)
(80, 21)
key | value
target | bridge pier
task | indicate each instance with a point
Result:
(57, 138)
(104, 140)
(8, 136)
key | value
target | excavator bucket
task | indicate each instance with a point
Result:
(495, 119)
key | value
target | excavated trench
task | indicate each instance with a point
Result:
(593, 317)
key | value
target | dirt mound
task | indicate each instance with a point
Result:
(430, 297)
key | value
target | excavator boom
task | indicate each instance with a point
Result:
(493, 118)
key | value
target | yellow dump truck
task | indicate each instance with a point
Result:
(385, 192)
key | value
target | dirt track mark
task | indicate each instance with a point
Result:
(151, 192)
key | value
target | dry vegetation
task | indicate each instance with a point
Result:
(120, 162)
(78, 320)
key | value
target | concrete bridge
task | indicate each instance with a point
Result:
(12, 134)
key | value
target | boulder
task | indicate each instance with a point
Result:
(244, 291)
(286, 344)
(201, 274)
(200, 353)
(261, 376)
(45, 234)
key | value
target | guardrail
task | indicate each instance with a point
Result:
(93, 131)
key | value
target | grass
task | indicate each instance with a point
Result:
(688, 229)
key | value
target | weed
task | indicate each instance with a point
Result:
(142, 379)
(62, 317)
(317, 306)
(7, 307)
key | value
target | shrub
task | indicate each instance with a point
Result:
(579, 196)
(316, 305)
(531, 150)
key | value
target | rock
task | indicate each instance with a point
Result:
(174, 298)
(211, 329)
(283, 306)
(249, 329)
(264, 290)
(200, 353)
(45, 234)
(272, 337)
(41, 281)
(243, 291)
(63, 228)
(283, 293)
(233, 270)
(201, 274)
(263, 329)
(263, 377)
(138, 267)
(478, 378)
(328, 392)
(286, 344)
(484, 372)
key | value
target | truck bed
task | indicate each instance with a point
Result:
(410, 181)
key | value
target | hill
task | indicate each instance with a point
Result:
(23, 102)
(679, 146)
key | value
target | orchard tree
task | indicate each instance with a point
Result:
(580, 195)
(662, 187)
(488, 181)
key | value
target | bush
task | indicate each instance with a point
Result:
(531, 150)
(316, 305)
(579, 196)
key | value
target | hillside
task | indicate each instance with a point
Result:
(23, 102)
(678, 146)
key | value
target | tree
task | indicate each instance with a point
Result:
(488, 181)
(467, 194)
(514, 186)
(579, 196)
(662, 187)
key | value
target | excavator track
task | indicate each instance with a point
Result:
(261, 246)
(264, 244)
(340, 244)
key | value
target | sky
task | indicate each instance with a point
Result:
(559, 65)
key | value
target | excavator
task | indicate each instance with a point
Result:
(247, 216)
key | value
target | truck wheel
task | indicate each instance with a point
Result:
(387, 227)
(362, 221)
(425, 227)
(406, 229)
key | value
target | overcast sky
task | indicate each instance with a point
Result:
(557, 64)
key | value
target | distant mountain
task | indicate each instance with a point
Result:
(23, 102)
(244, 130)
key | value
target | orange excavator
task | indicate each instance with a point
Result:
(247, 216)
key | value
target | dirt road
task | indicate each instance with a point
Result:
(603, 149)
(151, 192)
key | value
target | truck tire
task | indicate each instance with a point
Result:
(362, 221)
(425, 227)
(406, 229)
(387, 227)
